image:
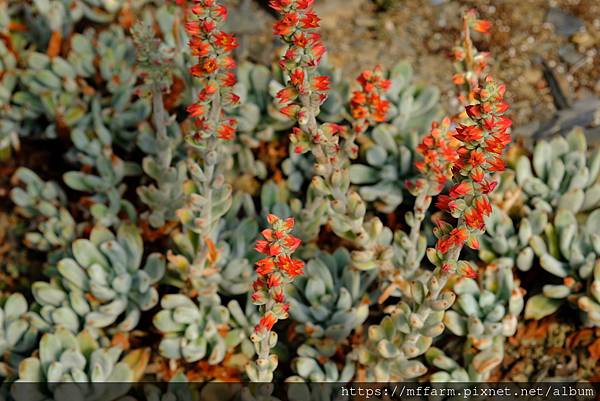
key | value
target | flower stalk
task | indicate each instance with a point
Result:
(276, 270)
(469, 63)
(330, 199)
(166, 196)
(210, 197)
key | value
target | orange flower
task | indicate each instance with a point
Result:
(288, 224)
(265, 266)
(266, 322)
(466, 270)
(457, 237)
(225, 40)
(482, 204)
(195, 110)
(321, 83)
(290, 111)
(274, 280)
(460, 189)
(211, 47)
(473, 218)
(286, 95)
(290, 266)
(368, 105)
(262, 246)
(297, 77)
(226, 132)
(482, 26)
(310, 20)
(286, 25)
(228, 79)
(292, 243)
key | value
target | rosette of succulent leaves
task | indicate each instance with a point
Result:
(52, 226)
(104, 287)
(328, 303)
(549, 222)
(68, 365)
(18, 336)
(484, 315)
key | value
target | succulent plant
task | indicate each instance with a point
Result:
(257, 86)
(18, 336)
(242, 324)
(561, 194)
(298, 169)
(330, 300)
(103, 285)
(449, 369)
(207, 200)
(192, 330)
(485, 313)
(275, 198)
(486, 310)
(166, 195)
(405, 333)
(231, 271)
(568, 250)
(259, 119)
(236, 256)
(589, 303)
(509, 245)
(200, 184)
(121, 112)
(389, 163)
(334, 107)
(8, 65)
(309, 366)
(54, 88)
(107, 184)
(61, 15)
(477, 365)
(396, 283)
(413, 106)
(48, 88)
(560, 174)
(231, 259)
(68, 364)
(45, 204)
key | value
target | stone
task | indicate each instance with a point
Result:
(569, 54)
(565, 24)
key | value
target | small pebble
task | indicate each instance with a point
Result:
(565, 24)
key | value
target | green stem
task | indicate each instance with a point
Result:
(264, 349)
(420, 209)
(159, 119)
(210, 157)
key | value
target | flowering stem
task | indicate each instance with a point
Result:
(264, 350)
(159, 119)
(422, 203)
(274, 272)
(212, 47)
